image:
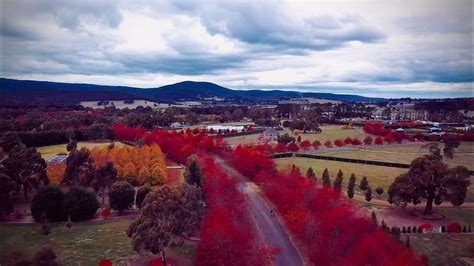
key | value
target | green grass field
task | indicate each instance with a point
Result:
(47, 152)
(444, 249)
(376, 175)
(83, 244)
(331, 133)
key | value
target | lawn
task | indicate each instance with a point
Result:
(83, 244)
(47, 152)
(244, 140)
(331, 133)
(376, 175)
(444, 249)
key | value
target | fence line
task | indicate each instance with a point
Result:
(346, 160)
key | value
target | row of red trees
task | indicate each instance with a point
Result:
(226, 233)
(331, 231)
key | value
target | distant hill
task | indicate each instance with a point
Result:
(43, 92)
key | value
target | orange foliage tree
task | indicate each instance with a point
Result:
(139, 166)
(56, 172)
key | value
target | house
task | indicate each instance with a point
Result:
(270, 135)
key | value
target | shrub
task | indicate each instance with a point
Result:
(328, 144)
(80, 204)
(293, 147)
(121, 196)
(454, 228)
(348, 140)
(356, 142)
(379, 190)
(305, 144)
(368, 140)
(339, 143)
(316, 144)
(48, 201)
(378, 140)
(426, 227)
(141, 194)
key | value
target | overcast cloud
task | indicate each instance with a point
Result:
(373, 48)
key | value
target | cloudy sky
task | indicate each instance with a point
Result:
(373, 48)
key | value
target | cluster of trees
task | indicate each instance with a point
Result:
(51, 204)
(305, 125)
(177, 146)
(138, 166)
(21, 170)
(320, 213)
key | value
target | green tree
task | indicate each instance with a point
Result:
(7, 191)
(80, 204)
(105, 176)
(368, 194)
(431, 179)
(337, 185)
(326, 179)
(26, 167)
(364, 184)
(79, 168)
(121, 196)
(193, 172)
(9, 140)
(167, 213)
(311, 174)
(48, 204)
(351, 186)
(141, 194)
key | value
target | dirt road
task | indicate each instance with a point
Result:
(267, 224)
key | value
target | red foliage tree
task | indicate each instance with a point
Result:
(305, 144)
(293, 147)
(328, 144)
(348, 140)
(356, 142)
(339, 143)
(368, 140)
(316, 144)
(378, 140)
(280, 147)
(389, 138)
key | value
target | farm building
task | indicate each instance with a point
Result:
(224, 128)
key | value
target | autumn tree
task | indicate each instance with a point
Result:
(55, 173)
(193, 172)
(26, 167)
(337, 185)
(326, 179)
(364, 184)
(121, 196)
(167, 213)
(431, 179)
(351, 186)
(79, 168)
(368, 140)
(311, 174)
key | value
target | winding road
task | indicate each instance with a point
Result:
(267, 224)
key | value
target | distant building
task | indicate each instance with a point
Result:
(176, 125)
(270, 135)
(216, 128)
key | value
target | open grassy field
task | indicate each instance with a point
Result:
(244, 140)
(331, 133)
(47, 152)
(444, 249)
(83, 244)
(376, 175)
(405, 153)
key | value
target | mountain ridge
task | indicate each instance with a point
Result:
(14, 91)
